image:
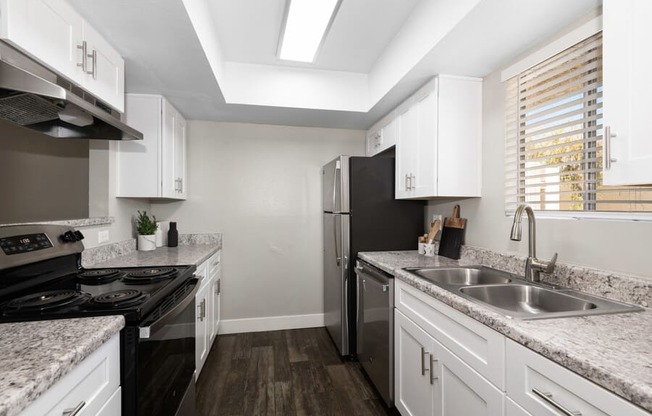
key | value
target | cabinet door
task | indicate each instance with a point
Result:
(201, 328)
(389, 136)
(180, 156)
(105, 70)
(425, 163)
(406, 152)
(627, 108)
(168, 130)
(462, 391)
(49, 30)
(414, 388)
(215, 308)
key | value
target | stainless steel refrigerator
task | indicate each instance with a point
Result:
(360, 214)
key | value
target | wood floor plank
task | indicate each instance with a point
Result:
(259, 385)
(284, 373)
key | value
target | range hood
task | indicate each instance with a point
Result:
(34, 97)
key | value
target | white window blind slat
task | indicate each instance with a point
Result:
(553, 148)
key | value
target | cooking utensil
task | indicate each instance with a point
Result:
(452, 235)
(434, 229)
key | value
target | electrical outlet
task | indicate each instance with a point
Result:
(102, 236)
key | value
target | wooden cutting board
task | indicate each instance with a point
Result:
(452, 235)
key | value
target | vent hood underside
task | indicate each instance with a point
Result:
(37, 98)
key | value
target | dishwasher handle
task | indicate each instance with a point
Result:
(379, 276)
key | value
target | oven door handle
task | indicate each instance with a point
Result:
(146, 331)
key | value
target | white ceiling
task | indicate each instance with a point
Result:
(216, 60)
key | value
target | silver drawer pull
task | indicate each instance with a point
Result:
(75, 410)
(432, 373)
(423, 361)
(547, 397)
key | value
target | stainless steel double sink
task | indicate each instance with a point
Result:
(514, 297)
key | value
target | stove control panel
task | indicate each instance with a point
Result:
(24, 243)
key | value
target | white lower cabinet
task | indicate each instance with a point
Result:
(414, 392)
(93, 387)
(462, 391)
(543, 387)
(430, 380)
(448, 364)
(207, 312)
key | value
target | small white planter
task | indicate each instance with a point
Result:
(146, 242)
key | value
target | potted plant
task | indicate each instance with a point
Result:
(146, 228)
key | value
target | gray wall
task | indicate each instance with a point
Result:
(260, 185)
(621, 246)
(42, 178)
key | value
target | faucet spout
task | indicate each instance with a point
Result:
(533, 266)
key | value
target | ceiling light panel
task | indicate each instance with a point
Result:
(306, 24)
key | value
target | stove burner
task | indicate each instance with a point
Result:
(119, 298)
(154, 274)
(99, 276)
(45, 300)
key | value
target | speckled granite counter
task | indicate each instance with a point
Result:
(613, 351)
(163, 256)
(35, 355)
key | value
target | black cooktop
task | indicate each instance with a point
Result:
(132, 292)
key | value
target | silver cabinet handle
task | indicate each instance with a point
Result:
(412, 180)
(407, 187)
(606, 144)
(83, 47)
(180, 185)
(432, 373)
(202, 310)
(423, 361)
(75, 410)
(219, 286)
(547, 397)
(93, 71)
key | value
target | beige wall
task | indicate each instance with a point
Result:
(260, 185)
(621, 246)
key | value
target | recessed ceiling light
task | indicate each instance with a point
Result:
(306, 24)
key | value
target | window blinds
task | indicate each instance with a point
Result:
(554, 137)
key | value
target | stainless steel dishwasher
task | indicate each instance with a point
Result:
(375, 326)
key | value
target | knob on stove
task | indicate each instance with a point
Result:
(72, 236)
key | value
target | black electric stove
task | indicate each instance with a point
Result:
(41, 278)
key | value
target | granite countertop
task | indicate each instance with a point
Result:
(162, 256)
(35, 355)
(613, 351)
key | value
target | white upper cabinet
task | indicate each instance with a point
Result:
(382, 135)
(54, 34)
(156, 166)
(438, 150)
(627, 108)
(105, 69)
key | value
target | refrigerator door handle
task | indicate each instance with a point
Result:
(338, 259)
(337, 168)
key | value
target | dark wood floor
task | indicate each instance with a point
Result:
(296, 372)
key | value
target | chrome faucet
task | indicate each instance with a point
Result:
(533, 266)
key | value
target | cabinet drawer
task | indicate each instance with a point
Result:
(479, 346)
(93, 382)
(529, 373)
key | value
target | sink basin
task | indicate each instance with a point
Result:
(462, 276)
(529, 301)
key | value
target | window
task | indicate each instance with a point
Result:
(554, 137)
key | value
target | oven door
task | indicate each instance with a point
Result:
(166, 357)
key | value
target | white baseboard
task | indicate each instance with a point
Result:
(272, 323)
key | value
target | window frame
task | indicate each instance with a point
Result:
(553, 48)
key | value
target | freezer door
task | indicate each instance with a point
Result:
(336, 290)
(335, 187)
